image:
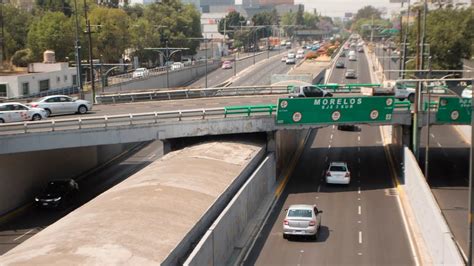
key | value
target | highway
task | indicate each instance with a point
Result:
(362, 223)
(387, 62)
(32, 220)
(448, 177)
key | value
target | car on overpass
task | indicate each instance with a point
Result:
(140, 72)
(57, 194)
(18, 112)
(309, 91)
(302, 220)
(227, 65)
(62, 104)
(467, 92)
(338, 173)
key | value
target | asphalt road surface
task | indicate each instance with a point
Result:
(32, 220)
(362, 222)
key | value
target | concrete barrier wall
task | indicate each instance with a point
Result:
(217, 245)
(183, 249)
(434, 229)
(24, 174)
(177, 78)
(287, 143)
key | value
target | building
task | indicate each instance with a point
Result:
(207, 5)
(38, 78)
(276, 2)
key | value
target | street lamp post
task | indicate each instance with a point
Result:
(471, 188)
(428, 124)
(77, 47)
(89, 35)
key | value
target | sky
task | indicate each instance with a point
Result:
(337, 8)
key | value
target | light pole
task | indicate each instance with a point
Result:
(89, 35)
(471, 187)
(428, 124)
(77, 47)
(167, 55)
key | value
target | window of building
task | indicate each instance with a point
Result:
(65, 78)
(25, 87)
(3, 90)
(58, 79)
(44, 85)
(74, 80)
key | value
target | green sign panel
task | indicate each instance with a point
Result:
(454, 110)
(335, 110)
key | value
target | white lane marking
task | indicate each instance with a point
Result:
(360, 237)
(358, 198)
(331, 136)
(432, 135)
(439, 145)
(329, 146)
(29, 231)
(360, 253)
(358, 138)
(151, 156)
(359, 210)
(358, 190)
(359, 222)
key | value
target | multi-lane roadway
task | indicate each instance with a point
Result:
(363, 222)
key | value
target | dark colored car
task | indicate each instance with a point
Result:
(348, 128)
(343, 54)
(57, 194)
(340, 64)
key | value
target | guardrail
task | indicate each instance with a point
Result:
(108, 121)
(190, 93)
(63, 91)
(404, 105)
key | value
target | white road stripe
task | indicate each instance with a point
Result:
(358, 138)
(329, 146)
(432, 135)
(358, 198)
(439, 145)
(29, 231)
(358, 191)
(360, 237)
(331, 136)
(359, 210)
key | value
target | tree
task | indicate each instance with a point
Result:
(363, 26)
(310, 20)
(112, 37)
(265, 18)
(144, 34)
(232, 22)
(22, 58)
(299, 19)
(368, 12)
(16, 22)
(52, 31)
(135, 11)
(287, 21)
(63, 6)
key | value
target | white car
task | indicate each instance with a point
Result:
(176, 66)
(290, 61)
(140, 73)
(300, 54)
(467, 92)
(291, 55)
(62, 104)
(338, 173)
(18, 112)
(302, 220)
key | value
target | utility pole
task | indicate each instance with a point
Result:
(416, 139)
(91, 63)
(427, 147)
(77, 47)
(423, 36)
(471, 189)
(405, 39)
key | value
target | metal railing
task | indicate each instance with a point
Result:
(190, 93)
(108, 121)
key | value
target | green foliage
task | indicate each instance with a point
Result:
(22, 58)
(112, 37)
(63, 6)
(299, 19)
(232, 22)
(16, 23)
(264, 19)
(368, 12)
(52, 31)
(450, 34)
(363, 26)
(310, 20)
(134, 12)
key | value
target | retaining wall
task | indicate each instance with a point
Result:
(217, 245)
(434, 229)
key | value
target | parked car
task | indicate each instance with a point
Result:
(227, 65)
(338, 173)
(350, 74)
(302, 220)
(18, 112)
(290, 61)
(57, 194)
(140, 72)
(309, 91)
(62, 104)
(340, 64)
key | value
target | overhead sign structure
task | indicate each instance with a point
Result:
(335, 110)
(454, 110)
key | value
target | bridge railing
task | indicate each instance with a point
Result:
(134, 119)
(178, 94)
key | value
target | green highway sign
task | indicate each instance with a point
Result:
(454, 110)
(334, 110)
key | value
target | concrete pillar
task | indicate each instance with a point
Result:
(271, 141)
(166, 146)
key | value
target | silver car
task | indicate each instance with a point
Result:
(302, 220)
(18, 112)
(62, 104)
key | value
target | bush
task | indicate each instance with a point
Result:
(311, 55)
(22, 58)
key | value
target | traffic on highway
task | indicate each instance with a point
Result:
(305, 139)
